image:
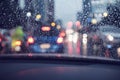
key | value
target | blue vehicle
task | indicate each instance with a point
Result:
(46, 39)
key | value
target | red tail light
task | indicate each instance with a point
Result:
(0, 39)
(18, 43)
(45, 28)
(30, 40)
(62, 34)
(60, 40)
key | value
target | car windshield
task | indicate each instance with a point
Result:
(64, 27)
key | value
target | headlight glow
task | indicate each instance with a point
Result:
(17, 48)
(110, 38)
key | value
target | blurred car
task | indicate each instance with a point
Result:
(18, 41)
(46, 39)
(109, 34)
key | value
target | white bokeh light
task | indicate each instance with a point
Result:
(28, 14)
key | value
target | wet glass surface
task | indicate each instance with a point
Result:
(70, 27)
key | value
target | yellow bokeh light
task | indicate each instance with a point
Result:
(53, 24)
(38, 16)
(105, 14)
(94, 21)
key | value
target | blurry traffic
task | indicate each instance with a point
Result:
(34, 28)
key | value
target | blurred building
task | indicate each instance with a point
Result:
(99, 8)
(94, 10)
(32, 11)
(83, 16)
(50, 8)
(45, 8)
(8, 17)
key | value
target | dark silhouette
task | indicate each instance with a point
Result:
(8, 14)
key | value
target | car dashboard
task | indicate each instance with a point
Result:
(57, 68)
